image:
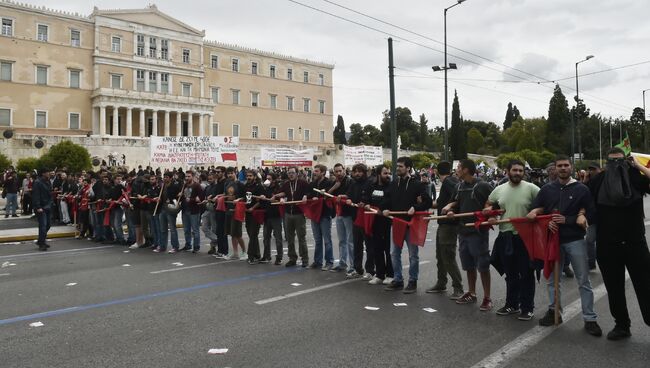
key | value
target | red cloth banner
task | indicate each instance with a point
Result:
(313, 209)
(221, 203)
(541, 243)
(483, 217)
(417, 228)
(107, 214)
(229, 156)
(240, 211)
(258, 216)
(364, 221)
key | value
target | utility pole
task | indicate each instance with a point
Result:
(393, 124)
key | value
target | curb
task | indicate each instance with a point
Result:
(68, 234)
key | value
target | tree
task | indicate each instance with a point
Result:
(356, 135)
(423, 160)
(559, 120)
(28, 164)
(372, 135)
(515, 113)
(475, 140)
(67, 154)
(507, 122)
(5, 162)
(638, 117)
(407, 129)
(339, 131)
(423, 132)
(458, 141)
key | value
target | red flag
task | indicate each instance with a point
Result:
(313, 209)
(364, 221)
(229, 156)
(399, 231)
(258, 216)
(481, 217)
(540, 242)
(221, 203)
(418, 230)
(107, 214)
(240, 211)
(281, 210)
(337, 203)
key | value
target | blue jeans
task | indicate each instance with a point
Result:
(396, 258)
(168, 225)
(191, 224)
(576, 251)
(154, 228)
(116, 223)
(12, 204)
(43, 225)
(323, 234)
(98, 226)
(346, 246)
(130, 225)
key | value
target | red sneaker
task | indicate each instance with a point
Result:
(486, 305)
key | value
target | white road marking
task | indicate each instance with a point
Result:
(5, 274)
(194, 266)
(53, 252)
(318, 288)
(535, 335)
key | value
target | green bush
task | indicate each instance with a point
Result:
(5, 162)
(28, 164)
(423, 160)
(534, 159)
(67, 154)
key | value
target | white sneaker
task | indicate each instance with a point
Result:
(243, 256)
(232, 257)
(388, 280)
(134, 246)
(367, 276)
(375, 281)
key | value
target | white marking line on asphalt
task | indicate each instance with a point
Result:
(190, 267)
(54, 252)
(535, 335)
(318, 288)
(5, 274)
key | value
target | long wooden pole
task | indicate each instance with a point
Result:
(158, 202)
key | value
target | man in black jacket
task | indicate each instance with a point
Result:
(380, 239)
(252, 189)
(42, 204)
(355, 194)
(272, 221)
(343, 222)
(116, 191)
(620, 236)
(322, 229)
(402, 195)
(572, 207)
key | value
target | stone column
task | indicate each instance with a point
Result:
(129, 122)
(116, 125)
(102, 120)
(209, 124)
(201, 126)
(154, 125)
(142, 124)
(167, 123)
(179, 128)
(190, 124)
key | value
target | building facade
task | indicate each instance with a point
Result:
(138, 73)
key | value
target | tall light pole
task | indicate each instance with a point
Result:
(645, 128)
(445, 68)
(573, 122)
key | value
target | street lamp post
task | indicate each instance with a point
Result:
(573, 121)
(645, 128)
(445, 68)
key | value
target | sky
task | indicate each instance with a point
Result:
(541, 39)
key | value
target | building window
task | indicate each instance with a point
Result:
(254, 68)
(322, 136)
(290, 103)
(235, 130)
(164, 82)
(153, 84)
(140, 80)
(305, 77)
(290, 134)
(321, 79)
(305, 104)
(116, 81)
(290, 74)
(153, 50)
(75, 38)
(140, 47)
(215, 94)
(214, 59)
(235, 97)
(5, 71)
(255, 99)
(321, 107)
(274, 101)
(116, 44)
(74, 120)
(187, 89)
(75, 77)
(215, 129)
(272, 71)
(186, 56)
(235, 65)
(41, 75)
(7, 27)
(254, 132)
(41, 119)
(274, 133)
(42, 32)
(5, 117)
(307, 135)
(164, 49)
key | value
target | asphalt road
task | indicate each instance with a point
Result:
(154, 313)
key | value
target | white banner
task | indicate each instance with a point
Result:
(280, 156)
(192, 150)
(369, 155)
